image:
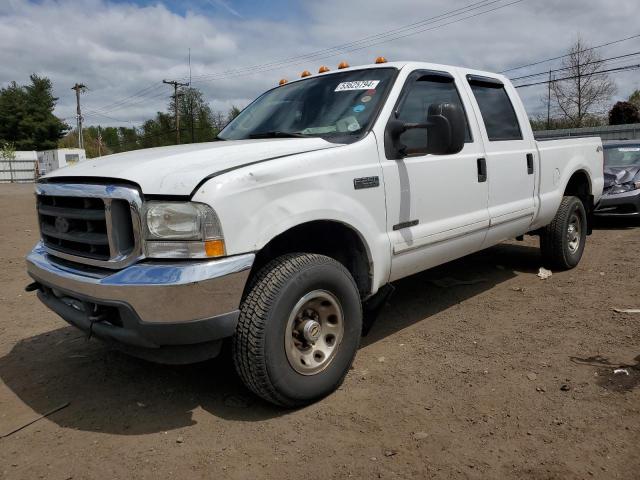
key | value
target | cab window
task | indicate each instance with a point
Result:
(497, 111)
(422, 92)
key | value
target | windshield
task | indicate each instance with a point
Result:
(622, 155)
(339, 107)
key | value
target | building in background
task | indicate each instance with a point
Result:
(27, 166)
(50, 160)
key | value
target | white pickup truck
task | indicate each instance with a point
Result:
(318, 195)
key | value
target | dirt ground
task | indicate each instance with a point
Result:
(509, 376)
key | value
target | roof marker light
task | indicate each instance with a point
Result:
(343, 65)
(282, 81)
(323, 69)
(381, 60)
(306, 73)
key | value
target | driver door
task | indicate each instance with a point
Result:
(437, 205)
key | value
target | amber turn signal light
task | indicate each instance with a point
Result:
(214, 248)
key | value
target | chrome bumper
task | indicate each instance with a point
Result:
(158, 292)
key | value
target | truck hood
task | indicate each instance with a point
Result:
(177, 170)
(620, 175)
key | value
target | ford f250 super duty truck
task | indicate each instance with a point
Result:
(320, 193)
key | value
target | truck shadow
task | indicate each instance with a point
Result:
(616, 223)
(113, 393)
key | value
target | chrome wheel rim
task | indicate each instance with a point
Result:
(314, 331)
(573, 233)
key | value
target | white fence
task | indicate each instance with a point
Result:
(21, 169)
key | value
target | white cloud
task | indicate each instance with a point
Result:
(120, 49)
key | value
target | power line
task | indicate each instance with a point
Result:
(610, 70)
(604, 60)
(341, 48)
(140, 93)
(566, 55)
(261, 68)
(92, 113)
(365, 42)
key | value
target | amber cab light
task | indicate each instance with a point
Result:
(343, 65)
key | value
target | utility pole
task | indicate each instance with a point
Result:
(175, 104)
(99, 142)
(549, 102)
(191, 101)
(79, 88)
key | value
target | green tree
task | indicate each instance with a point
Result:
(635, 98)
(196, 117)
(233, 113)
(26, 115)
(623, 113)
(7, 151)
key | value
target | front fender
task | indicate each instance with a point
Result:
(257, 203)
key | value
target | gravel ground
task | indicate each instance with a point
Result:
(508, 376)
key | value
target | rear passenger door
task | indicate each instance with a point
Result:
(510, 158)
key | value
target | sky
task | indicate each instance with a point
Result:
(123, 49)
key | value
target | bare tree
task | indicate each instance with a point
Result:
(584, 92)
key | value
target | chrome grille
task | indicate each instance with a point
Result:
(91, 224)
(74, 225)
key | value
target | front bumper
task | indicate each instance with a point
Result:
(147, 305)
(625, 204)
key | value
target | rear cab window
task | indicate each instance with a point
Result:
(498, 115)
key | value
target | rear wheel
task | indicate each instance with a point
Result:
(299, 329)
(562, 241)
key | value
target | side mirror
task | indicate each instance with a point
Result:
(446, 131)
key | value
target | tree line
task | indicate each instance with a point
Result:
(198, 123)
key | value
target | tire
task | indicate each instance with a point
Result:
(278, 352)
(562, 241)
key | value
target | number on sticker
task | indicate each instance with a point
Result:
(357, 85)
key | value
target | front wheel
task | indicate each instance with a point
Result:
(299, 329)
(562, 241)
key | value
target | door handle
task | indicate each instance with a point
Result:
(530, 163)
(482, 170)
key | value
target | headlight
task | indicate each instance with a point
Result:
(625, 187)
(182, 230)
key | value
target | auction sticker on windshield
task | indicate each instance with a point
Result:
(357, 85)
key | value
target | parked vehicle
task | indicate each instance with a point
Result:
(621, 195)
(320, 193)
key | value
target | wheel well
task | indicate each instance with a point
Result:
(580, 186)
(330, 238)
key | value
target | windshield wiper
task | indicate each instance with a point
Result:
(277, 134)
